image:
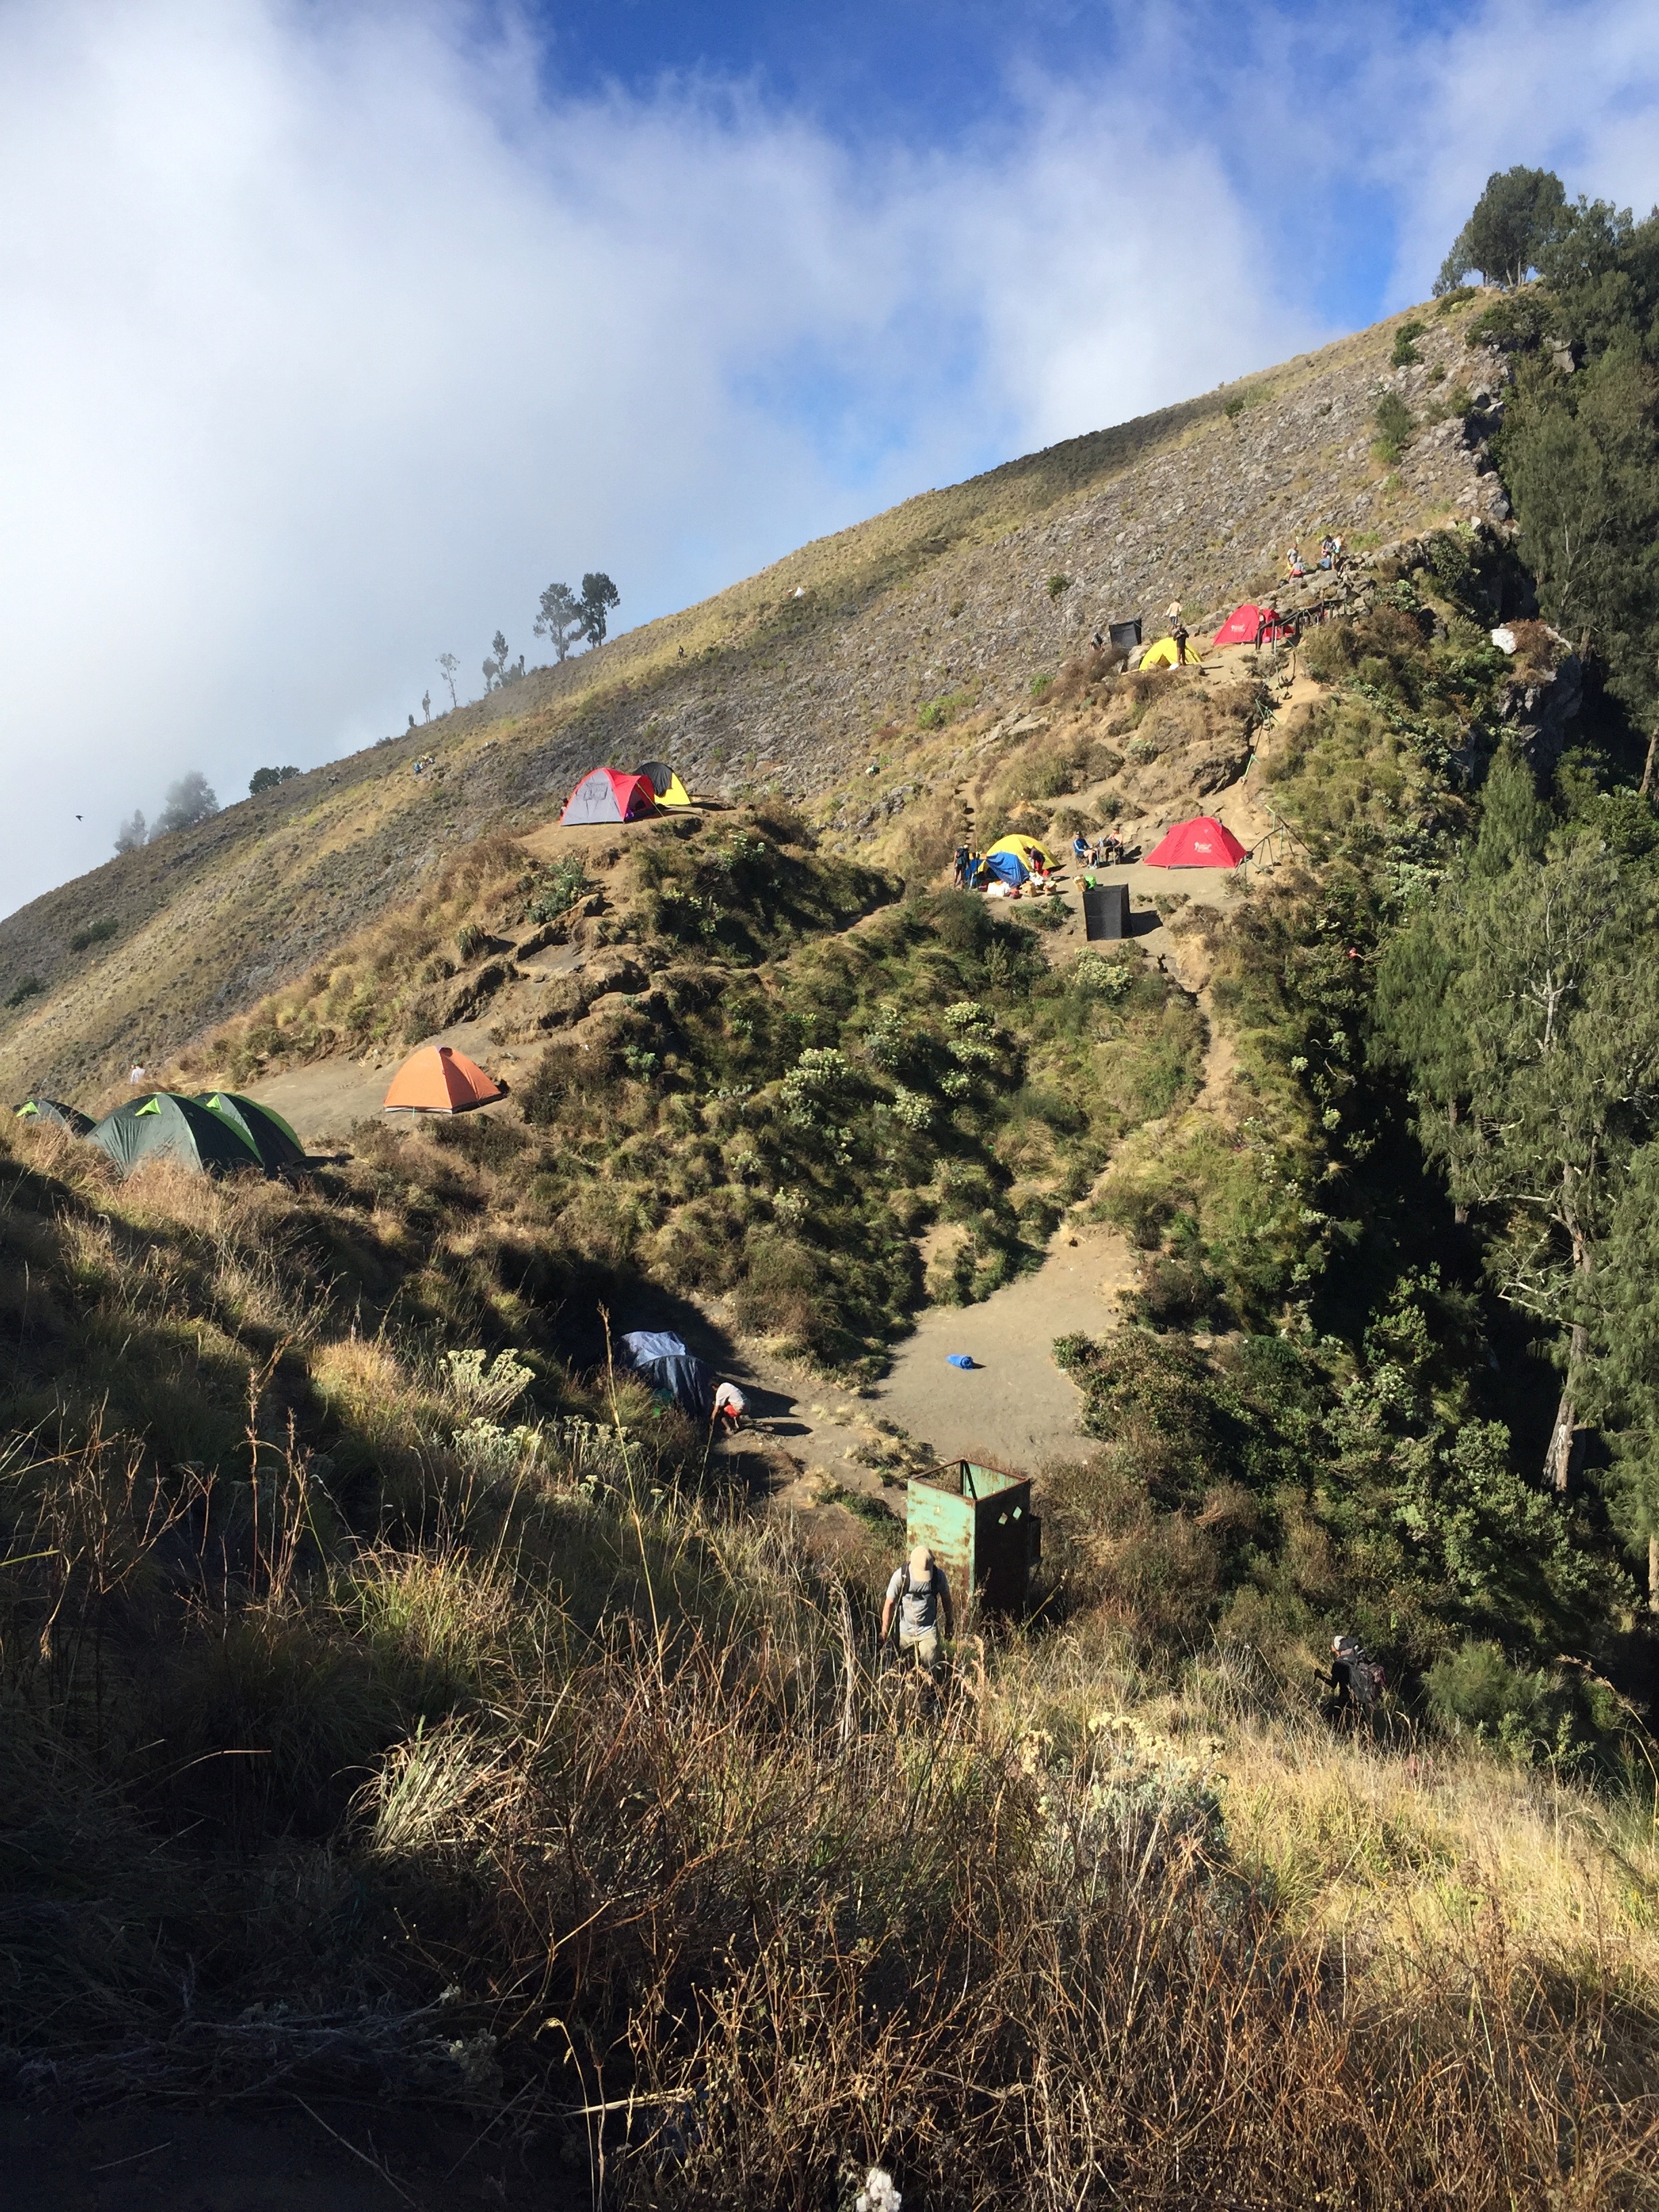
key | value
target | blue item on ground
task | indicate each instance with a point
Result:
(961, 1359)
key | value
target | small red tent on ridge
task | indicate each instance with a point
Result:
(605, 794)
(1250, 625)
(1203, 842)
(438, 1079)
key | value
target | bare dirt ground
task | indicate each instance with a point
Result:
(1014, 1407)
(323, 1100)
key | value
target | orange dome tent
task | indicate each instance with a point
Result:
(1203, 842)
(438, 1079)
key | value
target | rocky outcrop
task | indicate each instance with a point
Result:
(1541, 699)
(568, 997)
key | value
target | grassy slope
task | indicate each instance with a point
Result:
(539, 1727)
(1189, 1944)
(209, 919)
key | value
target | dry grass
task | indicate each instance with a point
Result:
(346, 1728)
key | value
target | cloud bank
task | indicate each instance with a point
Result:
(335, 334)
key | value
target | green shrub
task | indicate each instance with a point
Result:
(1040, 684)
(1523, 1711)
(1395, 426)
(1234, 408)
(1057, 585)
(1404, 346)
(31, 986)
(1325, 651)
(96, 932)
(947, 709)
(553, 890)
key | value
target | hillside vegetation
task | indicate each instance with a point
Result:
(396, 1694)
(943, 604)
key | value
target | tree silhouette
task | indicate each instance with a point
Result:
(600, 594)
(188, 801)
(560, 618)
(1515, 219)
(449, 663)
(132, 833)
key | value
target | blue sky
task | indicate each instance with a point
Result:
(336, 329)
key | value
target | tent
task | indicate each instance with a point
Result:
(167, 1125)
(1203, 842)
(1026, 850)
(1002, 867)
(438, 1079)
(670, 791)
(53, 1109)
(662, 1359)
(605, 794)
(1250, 624)
(1167, 654)
(262, 1126)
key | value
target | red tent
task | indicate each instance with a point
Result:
(438, 1079)
(605, 794)
(1203, 842)
(1250, 625)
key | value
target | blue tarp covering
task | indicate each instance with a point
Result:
(661, 1358)
(683, 1378)
(648, 1343)
(1008, 866)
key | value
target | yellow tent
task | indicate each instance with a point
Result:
(1165, 654)
(1025, 849)
(670, 791)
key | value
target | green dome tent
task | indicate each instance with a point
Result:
(53, 1109)
(262, 1126)
(167, 1126)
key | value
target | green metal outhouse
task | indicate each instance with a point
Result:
(979, 1525)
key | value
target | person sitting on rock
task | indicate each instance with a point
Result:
(1327, 551)
(1294, 563)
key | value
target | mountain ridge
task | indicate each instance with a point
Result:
(955, 591)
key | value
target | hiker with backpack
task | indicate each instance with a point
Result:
(921, 1594)
(1355, 1680)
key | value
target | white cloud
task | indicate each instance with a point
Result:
(1572, 88)
(332, 338)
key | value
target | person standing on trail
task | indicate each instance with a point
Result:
(1356, 1679)
(920, 1593)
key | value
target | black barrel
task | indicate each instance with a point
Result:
(1105, 910)
(1126, 636)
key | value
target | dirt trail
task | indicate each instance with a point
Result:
(324, 1099)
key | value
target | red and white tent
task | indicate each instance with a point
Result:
(1250, 624)
(605, 794)
(1203, 842)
